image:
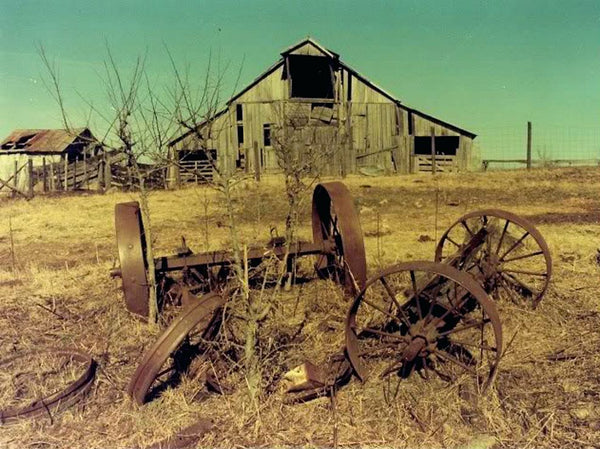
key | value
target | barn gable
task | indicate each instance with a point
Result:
(310, 87)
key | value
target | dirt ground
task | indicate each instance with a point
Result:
(55, 291)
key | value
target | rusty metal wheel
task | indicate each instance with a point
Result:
(425, 318)
(513, 262)
(183, 340)
(335, 222)
(131, 243)
(60, 399)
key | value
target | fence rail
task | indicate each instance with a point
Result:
(485, 163)
(92, 173)
(442, 163)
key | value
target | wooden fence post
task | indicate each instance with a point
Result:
(86, 179)
(433, 167)
(66, 163)
(107, 175)
(256, 161)
(528, 145)
(52, 180)
(15, 178)
(74, 174)
(44, 175)
(30, 176)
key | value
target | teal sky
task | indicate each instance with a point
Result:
(487, 66)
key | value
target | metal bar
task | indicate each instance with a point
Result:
(213, 258)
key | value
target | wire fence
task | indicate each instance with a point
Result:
(550, 146)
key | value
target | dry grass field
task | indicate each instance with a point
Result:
(55, 291)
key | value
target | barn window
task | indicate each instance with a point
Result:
(267, 134)
(311, 76)
(239, 112)
(444, 145)
(240, 134)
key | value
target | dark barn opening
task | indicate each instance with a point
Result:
(311, 76)
(197, 165)
(444, 145)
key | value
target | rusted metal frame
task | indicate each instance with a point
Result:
(59, 400)
(343, 247)
(200, 316)
(131, 243)
(334, 216)
(471, 289)
(467, 250)
(528, 229)
(215, 258)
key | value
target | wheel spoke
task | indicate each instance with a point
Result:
(467, 228)
(416, 293)
(373, 349)
(445, 377)
(513, 280)
(509, 290)
(502, 236)
(425, 368)
(455, 307)
(393, 317)
(394, 366)
(392, 296)
(378, 332)
(525, 256)
(465, 327)
(530, 273)
(450, 358)
(517, 243)
(453, 242)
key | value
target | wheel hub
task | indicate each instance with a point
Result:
(422, 335)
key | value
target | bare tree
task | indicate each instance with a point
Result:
(195, 111)
(302, 146)
(136, 128)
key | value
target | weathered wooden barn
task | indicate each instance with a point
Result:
(25, 152)
(310, 98)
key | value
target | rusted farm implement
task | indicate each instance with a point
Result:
(337, 240)
(432, 318)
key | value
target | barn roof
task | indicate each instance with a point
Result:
(310, 43)
(43, 140)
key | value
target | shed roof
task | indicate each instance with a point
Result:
(43, 140)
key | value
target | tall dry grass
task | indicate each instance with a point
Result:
(546, 395)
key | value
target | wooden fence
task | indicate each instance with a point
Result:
(541, 163)
(439, 163)
(90, 173)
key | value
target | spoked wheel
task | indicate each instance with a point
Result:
(131, 243)
(172, 353)
(428, 319)
(513, 260)
(336, 224)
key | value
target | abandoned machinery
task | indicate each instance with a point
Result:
(337, 240)
(60, 399)
(438, 319)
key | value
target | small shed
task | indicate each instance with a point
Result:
(25, 149)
